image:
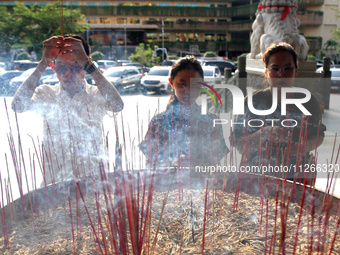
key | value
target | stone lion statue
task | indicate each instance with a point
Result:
(276, 22)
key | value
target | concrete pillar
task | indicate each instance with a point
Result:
(227, 74)
(224, 92)
(242, 74)
(326, 90)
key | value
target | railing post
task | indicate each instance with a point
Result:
(242, 74)
(227, 74)
(326, 90)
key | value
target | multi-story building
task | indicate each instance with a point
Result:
(222, 26)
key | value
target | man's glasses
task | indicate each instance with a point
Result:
(287, 71)
(62, 69)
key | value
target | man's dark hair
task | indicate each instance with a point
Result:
(85, 44)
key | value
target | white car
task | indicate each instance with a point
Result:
(17, 81)
(335, 79)
(106, 64)
(157, 79)
(212, 75)
(124, 77)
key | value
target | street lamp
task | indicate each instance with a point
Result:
(162, 38)
(125, 37)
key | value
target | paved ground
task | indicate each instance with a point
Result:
(331, 118)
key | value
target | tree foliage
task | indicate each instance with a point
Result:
(336, 33)
(331, 44)
(97, 55)
(23, 56)
(97, 45)
(336, 36)
(29, 26)
(210, 54)
(142, 55)
(8, 30)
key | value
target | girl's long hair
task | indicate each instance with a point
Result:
(185, 63)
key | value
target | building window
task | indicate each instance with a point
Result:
(151, 21)
(74, 3)
(209, 37)
(166, 36)
(222, 20)
(104, 21)
(134, 21)
(180, 37)
(92, 20)
(209, 20)
(127, 4)
(221, 37)
(42, 3)
(10, 3)
(104, 4)
(193, 37)
(91, 3)
(29, 3)
(164, 4)
(181, 21)
(151, 37)
(209, 5)
(120, 20)
(181, 5)
(193, 5)
(222, 5)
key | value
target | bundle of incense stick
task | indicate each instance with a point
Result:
(121, 219)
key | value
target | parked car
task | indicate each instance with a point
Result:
(133, 64)
(3, 65)
(122, 62)
(335, 79)
(168, 62)
(212, 75)
(53, 79)
(157, 79)
(106, 64)
(5, 78)
(17, 81)
(124, 77)
(319, 63)
(141, 68)
(21, 65)
(221, 65)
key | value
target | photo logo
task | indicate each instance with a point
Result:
(238, 99)
(210, 94)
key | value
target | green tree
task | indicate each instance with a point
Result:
(23, 56)
(30, 25)
(97, 55)
(336, 33)
(142, 55)
(172, 57)
(97, 45)
(210, 54)
(331, 44)
(336, 41)
(8, 30)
